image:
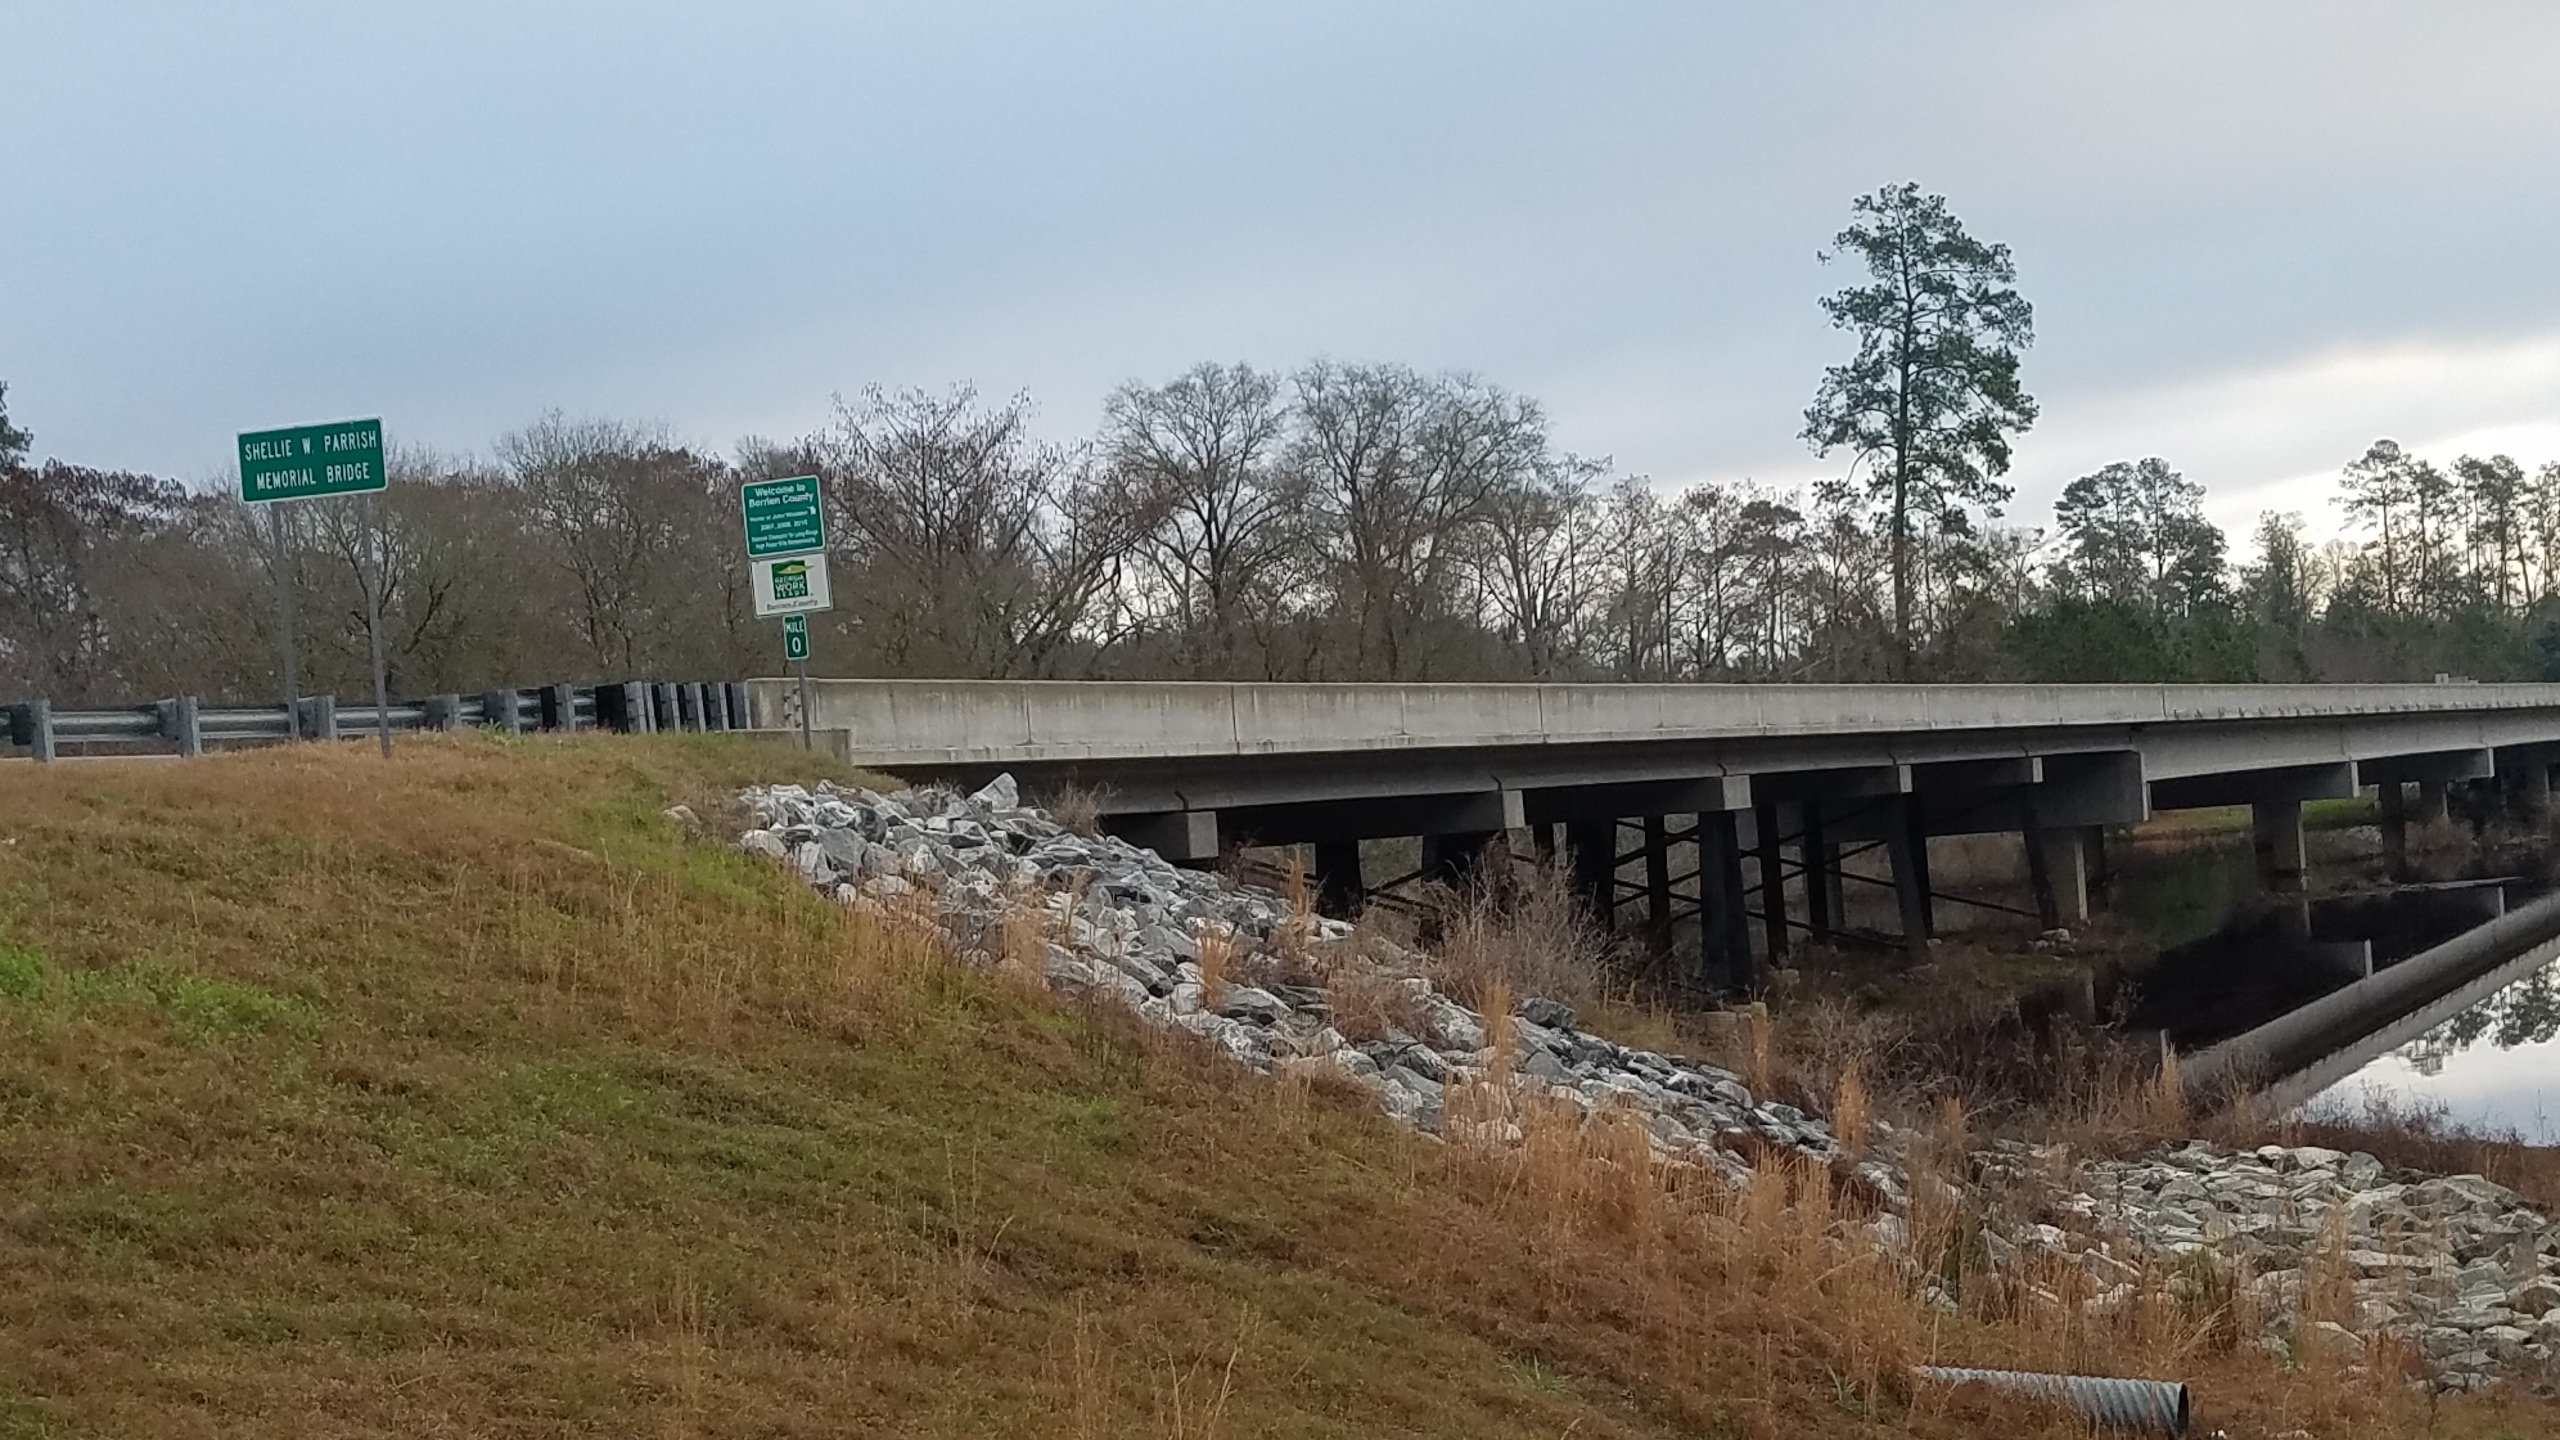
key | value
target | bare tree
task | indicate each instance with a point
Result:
(1541, 544)
(980, 550)
(1203, 449)
(64, 532)
(1399, 468)
(639, 524)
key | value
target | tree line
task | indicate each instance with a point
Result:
(1336, 522)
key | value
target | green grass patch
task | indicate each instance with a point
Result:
(200, 1007)
(23, 1419)
(21, 972)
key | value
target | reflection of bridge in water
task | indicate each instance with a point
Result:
(1764, 789)
(2281, 952)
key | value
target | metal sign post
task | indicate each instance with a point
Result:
(373, 626)
(284, 608)
(307, 462)
(786, 524)
(795, 648)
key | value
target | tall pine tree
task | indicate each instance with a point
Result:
(1929, 402)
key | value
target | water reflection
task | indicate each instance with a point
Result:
(2494, 1066)
(2277, 953)
(2525, 1013)
(2231, 957)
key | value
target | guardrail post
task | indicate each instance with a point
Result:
(739, 718)
(662, 705)
(31, 725)
(630, 706)
(715, 705)
(503, 709)
(320, 717)
(689, 700)
(182, 721)
(560, 708)
(444, 712)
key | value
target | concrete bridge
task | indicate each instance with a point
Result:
(1784, 781)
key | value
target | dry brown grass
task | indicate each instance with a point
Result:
(463, 1095)
(1076, 807)
(1849, 1107)
(1527, 933)
(1730, 1291)
(1218, 951)
(1370, 1003)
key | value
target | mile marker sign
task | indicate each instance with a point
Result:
(784, 517)
(309, 461)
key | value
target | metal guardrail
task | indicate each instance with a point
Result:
(188, 727)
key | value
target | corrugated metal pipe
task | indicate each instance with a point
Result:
(2156, 1405)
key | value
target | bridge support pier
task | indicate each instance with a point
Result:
(1455, 858)
(2276, 834)
(1821, 876)
(2431, 801)
(2391, 809)
(1591, 848)
(2058, 870)
(1340, 889)
(1773, 880)
(1188, 838)
(1657, 883)
(2093, 850)
(1724, 932)
(1907, 847)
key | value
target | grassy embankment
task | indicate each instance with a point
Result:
(466, 1095)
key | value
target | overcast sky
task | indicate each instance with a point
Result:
(2257, 236)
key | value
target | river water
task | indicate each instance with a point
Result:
(2495, 1067)
(2231, 958)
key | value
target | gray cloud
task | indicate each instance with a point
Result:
(214, 218)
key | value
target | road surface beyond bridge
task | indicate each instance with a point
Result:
(1781, 777)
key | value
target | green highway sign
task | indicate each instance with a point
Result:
(784, 517)
(309, 461)
(795, 637)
